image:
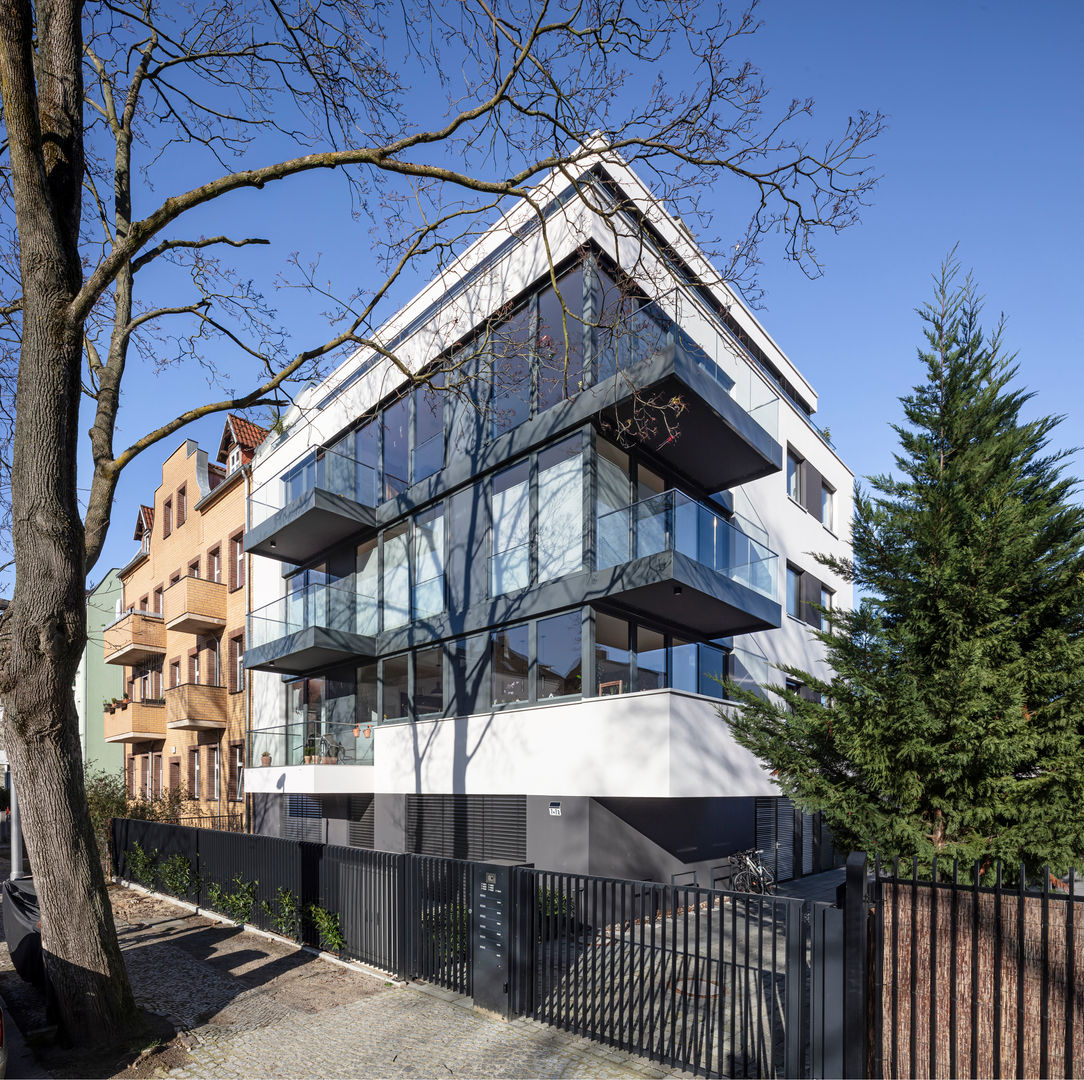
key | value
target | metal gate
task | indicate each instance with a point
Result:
(703, 979)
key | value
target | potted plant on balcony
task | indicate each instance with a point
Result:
(310, 753)
(265, 758)
(108, 706)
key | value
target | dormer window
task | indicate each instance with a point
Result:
(233, 462)
(146, 545)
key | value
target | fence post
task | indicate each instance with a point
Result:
(794, 988)
(402, 916)
(855, 968)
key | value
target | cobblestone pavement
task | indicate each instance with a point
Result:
(249, 1007)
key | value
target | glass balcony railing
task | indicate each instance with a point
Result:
(677, 317)
(330, 470)
(671, 521)
(337, 606)
(311, 742)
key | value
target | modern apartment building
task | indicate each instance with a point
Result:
(180, 634)
(97, 682)
(489, 615)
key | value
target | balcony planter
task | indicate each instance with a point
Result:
(265, 759)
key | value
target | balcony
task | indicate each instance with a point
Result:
(316, 756)
(195, 707)
(321, 498)
(311, 627)
(195, 606)
(137, 721)
(674, 348)
(678, 560)
(135, 638)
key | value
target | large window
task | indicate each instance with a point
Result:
(650, 659)
(367, 588)
(396, 687)
(828, 507)
(510, 563)
(429, 681)
(368, 694)
(396, 424)
(429, 562)
(428, 452)
(509, 350)
(559, 341)
(560, 517)
(794, 592)
(560, 659)
(510, 664)
(396, 605)
(794, 476)
(613, 667)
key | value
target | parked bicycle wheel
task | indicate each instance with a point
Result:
(744, 882)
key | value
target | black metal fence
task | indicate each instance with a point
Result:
(703, 979)
(713, 981)
(976, 977)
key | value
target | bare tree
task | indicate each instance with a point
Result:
(105, 264)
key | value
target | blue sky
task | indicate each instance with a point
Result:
(983, 150)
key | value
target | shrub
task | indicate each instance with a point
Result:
(236, 904)
(142, 868)
(177, 877)
(287, 919)
(327, 927)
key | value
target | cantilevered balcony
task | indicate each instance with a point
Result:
(196, 707)
(318, 500)
(195, 606)
(136, 721)
(309, 628)
(680, 561)
(675, 350)
(135, 638)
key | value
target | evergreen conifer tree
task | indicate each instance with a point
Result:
(954, 723)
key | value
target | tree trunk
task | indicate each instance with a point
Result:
(42, 640)
(44, 629)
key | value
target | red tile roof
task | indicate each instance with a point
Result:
(241, 431)
(145, 521)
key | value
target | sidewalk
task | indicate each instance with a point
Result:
(245, 1006)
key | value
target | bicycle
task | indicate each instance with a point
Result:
(749, 874)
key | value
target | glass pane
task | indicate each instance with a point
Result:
(560, 525)
(366, 586)
(683, 666)
(368, 694)
(429, 681)
(712, 666)
(793, 591)
(428, 432)
(559, 656)
(511, 374)
(650, 659)
(511, 561)
(429, 562)
(396, 578)
(510, 664)
(368, 452)
(611, 655)
(612, 466)
(396, 446)
(470, 686)
(396, 699)
(560, 341)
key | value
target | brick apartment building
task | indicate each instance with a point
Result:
(180, 633)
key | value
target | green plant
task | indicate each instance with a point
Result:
(106, 799)
(287, 919)
(176, 874)
(236, 904)
(327, 927)
(141, 866)
(448, 929)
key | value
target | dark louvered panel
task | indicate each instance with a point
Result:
(775, 835)
(505, 827)
(809, 822)
(302, 819)
(468, 826)
(361, 813)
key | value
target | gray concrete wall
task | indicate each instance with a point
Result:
(558, 842)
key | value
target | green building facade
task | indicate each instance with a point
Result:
(97, 681)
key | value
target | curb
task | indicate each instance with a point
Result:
(350, 965)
